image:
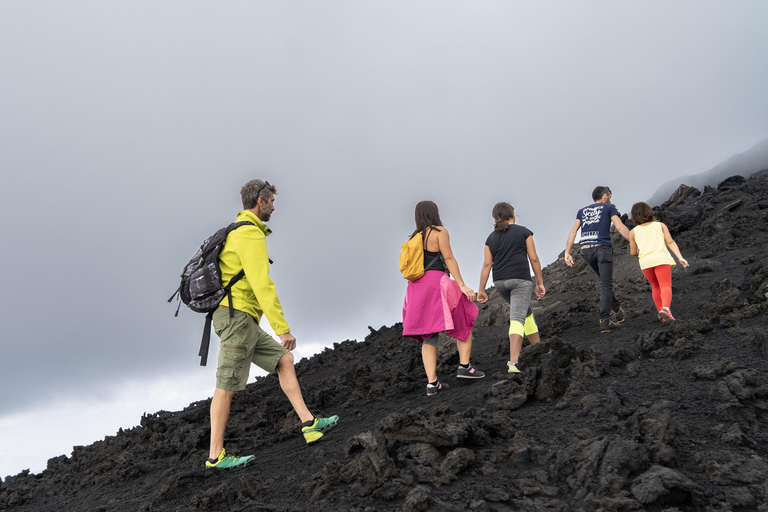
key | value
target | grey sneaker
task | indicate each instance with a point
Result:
(608, 325)
(469, 373)
(437, 388)
(618, 316)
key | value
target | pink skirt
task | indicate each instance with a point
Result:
(434, 304)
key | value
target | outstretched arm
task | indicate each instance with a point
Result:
(620, 227)
(444, 245)
(673, 246)
(569, 243)
(482, 298)
(536, 264)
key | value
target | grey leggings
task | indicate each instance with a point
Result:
(518, 293)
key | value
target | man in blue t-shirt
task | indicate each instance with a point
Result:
(597, 250)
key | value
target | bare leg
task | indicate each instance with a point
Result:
(534, 338)
(290, 384)
(515, 344)
(429, 356)
(465, 350)
(219, 416)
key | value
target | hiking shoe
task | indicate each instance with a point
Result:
(618, 316)
(436, 388)
(469, 373)
(607, 325)
(512, 368)
(229, 461)
(314, 432)
(665, 315)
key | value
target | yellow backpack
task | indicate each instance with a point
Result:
(412, 257)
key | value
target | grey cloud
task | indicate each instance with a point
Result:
(126, 130)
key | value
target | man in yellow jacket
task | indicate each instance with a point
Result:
(242, 340)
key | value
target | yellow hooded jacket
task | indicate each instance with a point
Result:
(255, 294)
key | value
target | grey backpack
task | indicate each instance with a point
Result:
(201, 288)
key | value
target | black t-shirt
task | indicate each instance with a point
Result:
(510, 253)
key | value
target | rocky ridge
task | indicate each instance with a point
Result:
(749, 163)
(650, 417)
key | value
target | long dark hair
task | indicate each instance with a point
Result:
(502, 212)
(427, 215)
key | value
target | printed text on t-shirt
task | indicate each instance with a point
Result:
(591, 215)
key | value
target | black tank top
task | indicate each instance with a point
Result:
(433, 260)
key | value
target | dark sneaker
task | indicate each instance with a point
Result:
(469, 373)
(229, 461)
(607, 325)
(665, 315)
(618, 316)
(437, 388)
(314, 432)
(512, 368)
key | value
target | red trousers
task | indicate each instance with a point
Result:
(660, 278)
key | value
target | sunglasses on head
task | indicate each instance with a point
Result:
(266, 184)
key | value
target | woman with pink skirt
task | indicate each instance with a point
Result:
(436, 303)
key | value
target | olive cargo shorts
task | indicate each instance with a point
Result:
(242, 342)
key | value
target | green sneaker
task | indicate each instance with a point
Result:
(229, 461)
(314, 432)
(512, 368)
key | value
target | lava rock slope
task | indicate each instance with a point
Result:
(660, 417)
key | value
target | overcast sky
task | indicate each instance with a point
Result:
(128, 128)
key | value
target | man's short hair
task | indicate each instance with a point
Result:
(600, 192)
(254, 189)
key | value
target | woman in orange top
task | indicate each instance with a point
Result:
(649, 241)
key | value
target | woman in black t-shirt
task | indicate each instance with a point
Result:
(508, 250)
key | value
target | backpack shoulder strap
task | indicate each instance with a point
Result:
(206, 341)
(427, 239)
(236, 225)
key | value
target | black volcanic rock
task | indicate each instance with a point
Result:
(652, 416)
(681, 195)
(752, 162)
(730, 183)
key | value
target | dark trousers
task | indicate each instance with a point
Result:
(600, 259)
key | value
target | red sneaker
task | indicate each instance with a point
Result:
(666, 315)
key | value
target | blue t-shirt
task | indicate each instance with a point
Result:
(596, 224)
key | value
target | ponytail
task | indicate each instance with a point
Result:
(501, 225)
